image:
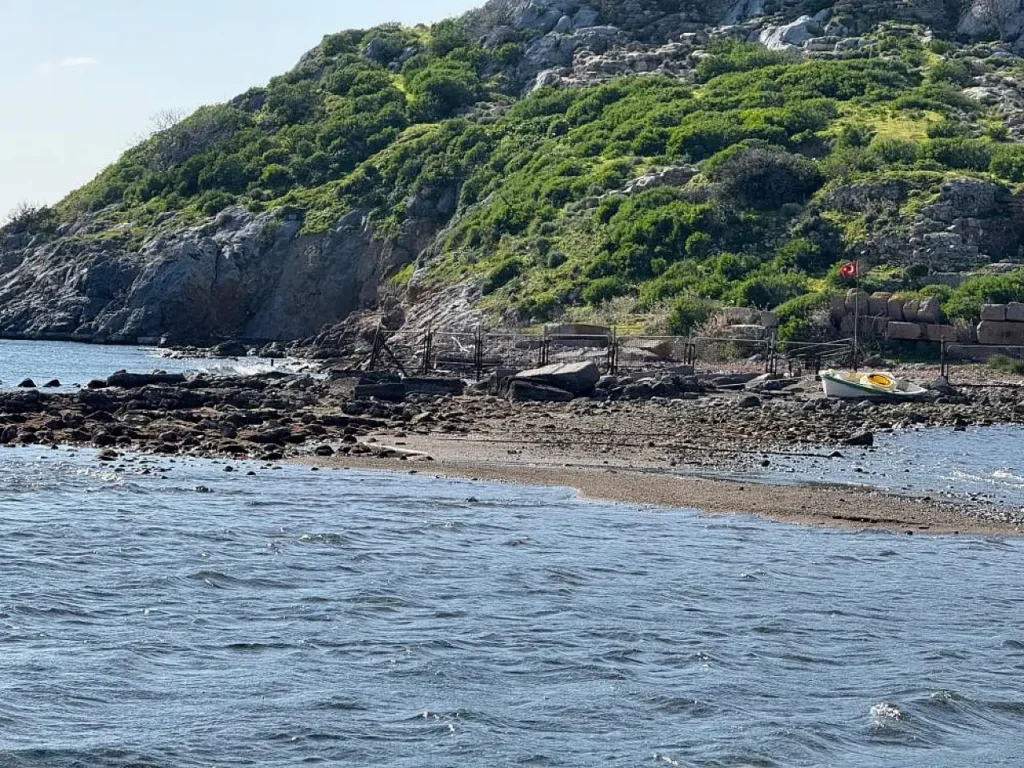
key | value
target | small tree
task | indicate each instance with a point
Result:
(26, 217)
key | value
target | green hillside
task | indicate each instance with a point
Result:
(532, 191)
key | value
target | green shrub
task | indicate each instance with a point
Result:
(688, 314)
(965, 301)
(797, 316)
(733, 56)
(895, 151)
(1008, 163)
(959, 154)
(766, 179)
(603, 289)
(502, 275)
(1005, 364)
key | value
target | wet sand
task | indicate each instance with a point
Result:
(641, 480)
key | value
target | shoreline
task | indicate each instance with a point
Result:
(649, 452)
(841, 507)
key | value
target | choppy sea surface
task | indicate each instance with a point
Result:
(165, 612)
(981, 463)
(77, 364)
(171, 613)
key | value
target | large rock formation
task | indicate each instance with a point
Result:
(237, 275)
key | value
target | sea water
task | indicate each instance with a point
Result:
(168, 612)
(75, 365)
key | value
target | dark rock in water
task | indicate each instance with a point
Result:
(750, 401)
(9, 435)
(96, 384)
(862, 439)
(102, 440)
(109, 455)
(577, 378)
(52, 384)
(529, 391)
(125, 380)
(230, 349)
(27, 384)
(324, 450)
(277, 436)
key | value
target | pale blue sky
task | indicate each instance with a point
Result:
(80, 80)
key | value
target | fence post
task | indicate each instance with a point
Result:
(428, 349)
(544, 348)
(478, 353)
(375, 352)
(613, 351)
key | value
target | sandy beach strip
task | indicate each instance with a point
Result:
(846, 507)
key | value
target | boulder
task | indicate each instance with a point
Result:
(27, 384)
(392, 391)
(929, 311)
(1015, 312)
(896, 309)
(910, 309)
(230, 349)
(792, 35)
(878, 304)
(739, 316)
(125, 380)
(434, 386)
(904, 331)
(533, 391)
(855, 298)
(1002, 334)
(576, 378)
(52, 384)
(993, 313)
(861, 439)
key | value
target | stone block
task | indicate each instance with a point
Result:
(896, 309)
(904, 331)
(910, 307)
(740, 316)
(941, 332)
(576, 378)
(855, 297)
(531, 391)
(1003, 334)
(577, 329)
(1015, 312)
(878, 304)
(993, 313)
(929, 311)
(748, 332)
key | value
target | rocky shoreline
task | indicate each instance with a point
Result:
(726, 422)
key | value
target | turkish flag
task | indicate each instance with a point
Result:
(850, 270)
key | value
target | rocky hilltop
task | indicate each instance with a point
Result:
(539, 158)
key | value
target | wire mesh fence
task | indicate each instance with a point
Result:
(476, 355)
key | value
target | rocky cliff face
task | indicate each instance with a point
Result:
(238, 275)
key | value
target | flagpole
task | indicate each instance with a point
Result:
(856, 316)
(856, 325)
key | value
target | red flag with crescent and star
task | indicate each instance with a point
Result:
(850, 270)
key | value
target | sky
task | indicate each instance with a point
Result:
(82, 80)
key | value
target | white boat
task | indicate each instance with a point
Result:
(858, 385)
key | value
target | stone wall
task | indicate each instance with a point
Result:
(1002, 324)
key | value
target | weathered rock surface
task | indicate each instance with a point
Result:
(238, 275)
(577, 378)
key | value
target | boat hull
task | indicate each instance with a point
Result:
(836, 385)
